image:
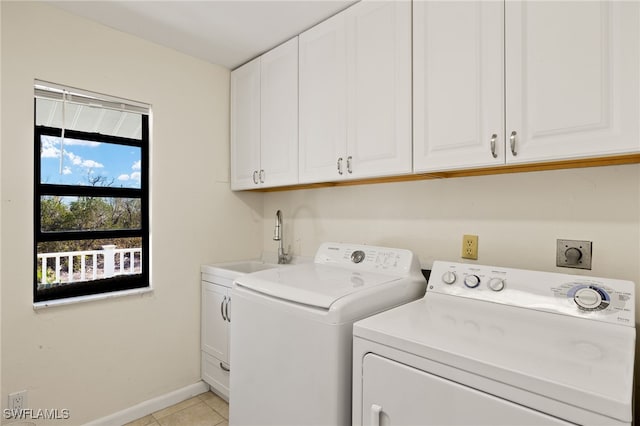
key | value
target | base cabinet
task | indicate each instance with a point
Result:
(216, 318)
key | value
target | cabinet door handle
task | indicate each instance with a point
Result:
(494, 137)
(226, 309)
(227, 369)
(255, 177)
(512, 141)
(375, 414)
(261, 174)
(340, 165)
(222, 308)
(349, 159)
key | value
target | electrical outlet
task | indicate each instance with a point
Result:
(18, 400)
(470, 247)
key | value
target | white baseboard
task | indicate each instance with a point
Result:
(151, 406)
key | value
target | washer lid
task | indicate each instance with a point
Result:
(312, 284)
(580, 362)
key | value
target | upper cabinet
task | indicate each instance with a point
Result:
(355, 94)
(522, 82)
(386, 88)
(264, 120)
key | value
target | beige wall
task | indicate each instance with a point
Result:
(518, 217)
(101, 357)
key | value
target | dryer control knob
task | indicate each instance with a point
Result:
(496, 284)
(472, 281)
(588, 299)
(449, 277)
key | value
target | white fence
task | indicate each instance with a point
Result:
(105, 263)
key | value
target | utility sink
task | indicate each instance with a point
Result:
(248, 266)
(232, 270)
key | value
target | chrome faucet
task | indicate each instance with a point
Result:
(277, 236)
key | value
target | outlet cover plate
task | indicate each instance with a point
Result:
(564, 261)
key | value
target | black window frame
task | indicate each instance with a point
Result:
(103, 285)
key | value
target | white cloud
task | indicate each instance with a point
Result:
(48, 148)
(90, 164)
(49, 152)
(66, 171)
(137, 165)
(76, 160)
(70, 142)
(136, 176)
(123, 177)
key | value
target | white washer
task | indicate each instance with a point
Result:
(498, 346)
(291, 334)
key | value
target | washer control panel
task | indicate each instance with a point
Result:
(369, 258)
(601, 299)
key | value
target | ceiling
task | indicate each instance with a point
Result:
(224, 32)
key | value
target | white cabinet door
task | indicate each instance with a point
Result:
(279, 115)
(458, 84)
(379, 89)
(215, 324)
(245, 125)
(355, 94)
(572, 78)
(323, 100)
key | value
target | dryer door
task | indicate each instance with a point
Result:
(396, 394)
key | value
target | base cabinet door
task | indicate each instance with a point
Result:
(215, 374)
(215, 327)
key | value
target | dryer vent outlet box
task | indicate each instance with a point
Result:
(573, 254)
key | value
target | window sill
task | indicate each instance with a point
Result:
(82, 299)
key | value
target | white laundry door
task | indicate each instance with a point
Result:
(396, 394)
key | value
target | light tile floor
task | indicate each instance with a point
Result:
(206, 409)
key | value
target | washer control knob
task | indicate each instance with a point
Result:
(587, 298)
(449, 277)
(357, 256)
(472, 281)
(496, 284)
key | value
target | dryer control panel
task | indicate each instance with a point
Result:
(600, 299)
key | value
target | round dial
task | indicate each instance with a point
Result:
(496, 284)
(591, 298)
(449, 277)
(357, 256)
(472, 281)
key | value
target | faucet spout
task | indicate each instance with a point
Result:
(277, 236)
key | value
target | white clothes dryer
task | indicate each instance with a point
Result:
(498, 346)
(291, 334)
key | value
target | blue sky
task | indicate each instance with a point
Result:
(85, 159)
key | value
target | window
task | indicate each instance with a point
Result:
(91, 195)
